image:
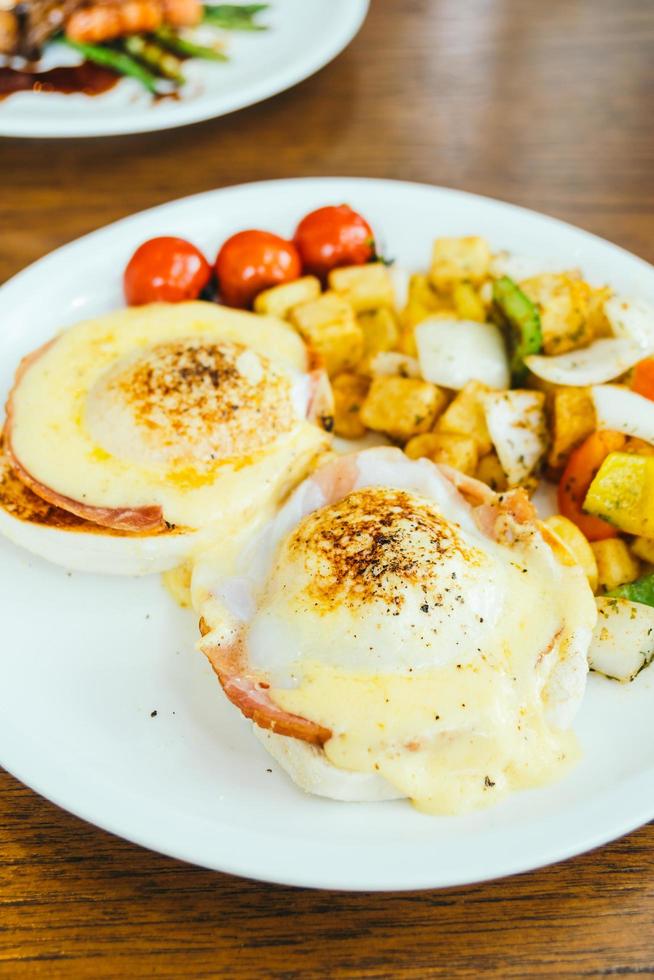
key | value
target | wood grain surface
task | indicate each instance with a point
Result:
(544, 104)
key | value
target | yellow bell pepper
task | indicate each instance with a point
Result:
(623, 493)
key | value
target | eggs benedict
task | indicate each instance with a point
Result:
(399, 630)
(162, 425)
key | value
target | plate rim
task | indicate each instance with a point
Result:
(145, 121)
(641, 806)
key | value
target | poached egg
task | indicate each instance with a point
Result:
(403, 625)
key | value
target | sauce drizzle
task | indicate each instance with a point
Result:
(87, 79)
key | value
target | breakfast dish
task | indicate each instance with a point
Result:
(382, 625)
(167, 421)
(87, 69)
(398, 622)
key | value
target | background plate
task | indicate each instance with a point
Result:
(85, 660)
(304, 36)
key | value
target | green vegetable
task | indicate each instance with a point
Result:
(119, 61)
(179, 44)
(521, 321)
(155, 57)
(642, 590)
(234, 16)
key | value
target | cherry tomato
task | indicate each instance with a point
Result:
(165, 270)
(333, 236)
(254, 260)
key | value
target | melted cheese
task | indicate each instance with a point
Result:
(438, 658)
(86, 425)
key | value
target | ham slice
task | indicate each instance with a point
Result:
(250, 694)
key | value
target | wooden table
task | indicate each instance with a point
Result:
(545, 104)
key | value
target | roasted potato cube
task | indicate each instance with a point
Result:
(280, 300)
(615, 565)
(572, 419)
(643, 548)
(329, 326)
(465, 416)
(578, 544)
(445, 447)
(456, 259)
(490, 471)
(468, 303)
(422, 445)
(400, 407)
(366, 287)
(380, 331)
(457, 451)
(564, 304)
(597, 319)
(350, 391)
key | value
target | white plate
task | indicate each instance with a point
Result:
(304, 36)
(85, 660)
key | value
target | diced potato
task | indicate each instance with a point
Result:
(643, 548)
(421, 291)
(456, 259)
(407, 342)
(329, 326)
(577, 543)
(615, 565)
(445, 447)
(467, 302)
(366, 287)
(564, 303)
(280, 300)
(400, 407)
(598, 321)
(490, 471)
(350, 391)
(572, 419)
(423, 445)
(457, 451)
(380, 331)
(465, 415)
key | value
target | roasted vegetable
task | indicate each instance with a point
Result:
(615, 564)
(577, 477)
(235, 16)
(521, 322)
(400, 407)
(622, 492)
(119, 61)
(623, 639)
(577, 543)
(459, 259)
(641, 590)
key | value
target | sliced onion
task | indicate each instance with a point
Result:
(516, 423)
(400, 279)
(518, 266)
(624, 411)
(633, 319)
(453, 352)
(602, 361)
(390, 363)
(623, 640)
